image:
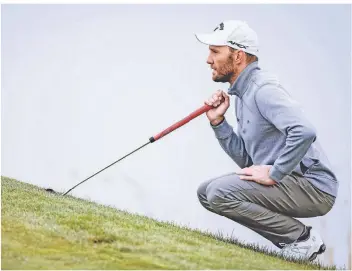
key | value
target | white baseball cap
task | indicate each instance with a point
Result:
(235, 34)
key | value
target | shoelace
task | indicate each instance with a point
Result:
(288, 249)
(285, 246)
(288, 246)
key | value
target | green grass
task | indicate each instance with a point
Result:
(41, 230)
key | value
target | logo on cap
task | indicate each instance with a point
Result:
(220, 27)
(237, 44)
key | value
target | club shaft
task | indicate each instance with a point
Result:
(105, 168)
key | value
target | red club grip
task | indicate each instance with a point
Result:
(182, 122)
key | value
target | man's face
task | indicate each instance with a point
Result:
(221, 61)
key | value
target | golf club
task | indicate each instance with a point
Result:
(173, 127)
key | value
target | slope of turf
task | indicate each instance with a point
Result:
(41, 230)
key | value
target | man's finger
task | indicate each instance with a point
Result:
(248, 178)
(244, 171)
(242, 174)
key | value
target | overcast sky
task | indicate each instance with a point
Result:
(82, 85)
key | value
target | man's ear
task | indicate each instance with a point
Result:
(239, 56)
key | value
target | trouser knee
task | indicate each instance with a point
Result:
(201, 189)
(219, 194)
(218, 199)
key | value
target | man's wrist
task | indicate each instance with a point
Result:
(217, 121)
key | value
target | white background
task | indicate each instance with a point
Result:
(82, 85)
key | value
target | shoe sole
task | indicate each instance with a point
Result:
(320, 251)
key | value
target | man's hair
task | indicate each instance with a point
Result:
(250, 58)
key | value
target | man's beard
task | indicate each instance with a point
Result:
(226, 72)
(223, 78)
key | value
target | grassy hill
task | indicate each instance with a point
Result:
(41, 230)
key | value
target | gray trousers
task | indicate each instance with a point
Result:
(267, 210)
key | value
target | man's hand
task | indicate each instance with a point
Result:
(258, 174)
(221, 102)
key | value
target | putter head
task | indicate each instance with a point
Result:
(50, 191)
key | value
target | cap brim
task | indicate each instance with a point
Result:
(210, 39)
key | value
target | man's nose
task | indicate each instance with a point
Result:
(209, 60)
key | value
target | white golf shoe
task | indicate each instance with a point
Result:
(306, 249)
